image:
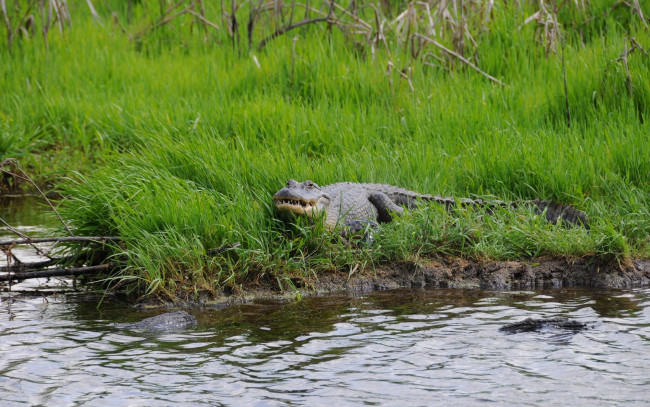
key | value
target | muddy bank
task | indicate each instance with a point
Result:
(495, 275)
(446, 273)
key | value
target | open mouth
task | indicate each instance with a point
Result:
(296, 206)
(292, 202)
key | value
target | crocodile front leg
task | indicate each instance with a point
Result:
(385, 207)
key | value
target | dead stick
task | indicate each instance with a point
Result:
(22, 235)
(463, 59)
(75, 271)
(203, 19)
(637, 8)
(566, 91)
(61, 239)
(39, 265)
(284, 30)
(94, 12)
(10, 34)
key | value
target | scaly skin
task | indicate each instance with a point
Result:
(355, 205)
(533, 325)
(170, 321)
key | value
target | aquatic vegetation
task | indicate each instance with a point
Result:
(189, 138)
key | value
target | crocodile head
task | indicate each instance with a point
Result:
(301, 198)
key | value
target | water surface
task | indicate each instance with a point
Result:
(405, 347)
(430, 347)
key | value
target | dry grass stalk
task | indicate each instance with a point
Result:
(548, 27)
(204, 20)
(637, 9)
(93, 12)
(10, 32)
(461, 58)
(628, 76)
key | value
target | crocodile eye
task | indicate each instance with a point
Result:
(310, 185)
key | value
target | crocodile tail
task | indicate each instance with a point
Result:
(555, 211)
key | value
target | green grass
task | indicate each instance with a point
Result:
(187, 141)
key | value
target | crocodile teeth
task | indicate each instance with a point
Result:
(292, 202)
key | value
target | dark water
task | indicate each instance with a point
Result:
(437, 347)
(33, 218)
(406, 348)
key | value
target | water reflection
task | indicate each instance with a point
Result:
(405, 347)
(32, 217)
(422, 347)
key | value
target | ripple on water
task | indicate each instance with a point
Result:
(403, 348)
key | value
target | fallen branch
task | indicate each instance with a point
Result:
(39, 265)
(460, 57)
(75, 271)
(61, 239)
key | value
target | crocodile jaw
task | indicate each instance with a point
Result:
(310, 208)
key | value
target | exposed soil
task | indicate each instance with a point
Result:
(449, 273)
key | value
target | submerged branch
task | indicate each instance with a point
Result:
(39, 265)
(75, 271)
(61, 239)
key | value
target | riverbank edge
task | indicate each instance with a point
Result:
(453, 273)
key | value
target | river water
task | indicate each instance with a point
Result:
(402, 348)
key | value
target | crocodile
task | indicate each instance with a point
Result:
(534, 325)
(170, 321)
(354, 206)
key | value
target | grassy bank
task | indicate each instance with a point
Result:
(189, 138)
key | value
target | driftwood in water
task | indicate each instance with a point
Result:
(41, 265)
(74, 271)
(60, 239)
